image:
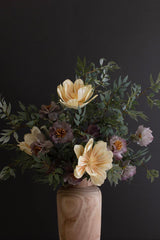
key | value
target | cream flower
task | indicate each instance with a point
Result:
(74, 95)
(29, 139)
(93, 160)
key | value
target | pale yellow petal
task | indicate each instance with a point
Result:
(109, 166)
(35, 131)
(101, 156)
(83, 161)
(89, 94)
(78, 149)
(99, 149)
(98, 180)
(70, 104)
(79, 171)
(61, 94)
(83, 105)
(29, 139)
(84, 92)
(68, 89)
(24, 147)
(78, 84)
(88, 146)
(90, 170)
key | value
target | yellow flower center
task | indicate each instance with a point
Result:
(118, 144)
(48, 106)
(140, 135)
(37, 149)
(60, 132)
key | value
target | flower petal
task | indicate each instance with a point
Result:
(78, 149)
(68, 89)
(72, 103)
(82, 105)
(79, 171)
(98, 179)
(35, 131)
(89, 94)
(61, 93)
(24, 147)
(88, 146)
(78, 84)
(29, 139)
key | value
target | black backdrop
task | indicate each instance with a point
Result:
(39, 43)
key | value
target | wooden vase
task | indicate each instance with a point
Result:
(79, 212)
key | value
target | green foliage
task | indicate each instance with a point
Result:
(107, 114)
(135, 92)
(135, 114)
(155, 89)
(79, 117)
(152, 174)
(5, 109)
(6, 173)
(138, 158)
(114, 174)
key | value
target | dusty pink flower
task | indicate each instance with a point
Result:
(143, 136)
(118, 146)
(93, 130)
(61, 132)
(41, 147)
(70, 179)
(51, 111)
(128, 172)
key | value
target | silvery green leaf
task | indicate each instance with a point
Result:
(15, 135)
(2, 138)
(79, 110)
(76, 122)
(77, 116)
(6, 140)
(22, 106)
(101, 61)
(3, 116)
(9, 109)
(4, 106)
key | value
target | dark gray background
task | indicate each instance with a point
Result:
(40, 41)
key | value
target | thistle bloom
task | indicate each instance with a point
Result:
(128, 172)
(118, 146)
(61, 132)
(30, 138)
(144, 136)
(93, 160)
(74, 95)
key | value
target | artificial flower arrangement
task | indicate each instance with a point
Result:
(84, 134)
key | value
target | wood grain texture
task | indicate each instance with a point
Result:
(79, 212)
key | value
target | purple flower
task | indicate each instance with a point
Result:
(70, 178)
(50, 111)
(118, 146)
(61, 132)
(143, 136)
(42, 146)
(93, 130)
(128, 172)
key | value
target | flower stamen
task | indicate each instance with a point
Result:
(37, 149)
(60, 132)
(118, 144)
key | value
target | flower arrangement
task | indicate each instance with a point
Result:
(84, 133)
